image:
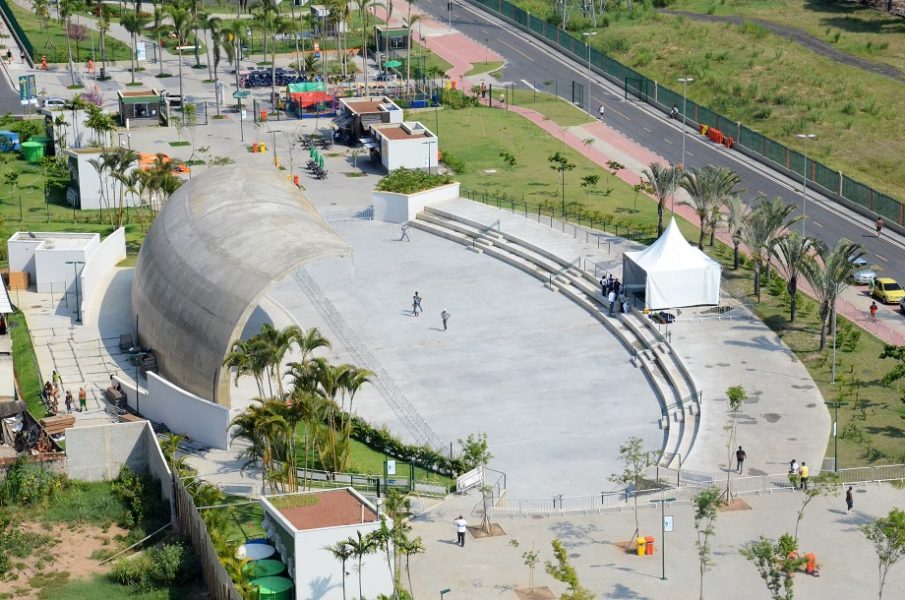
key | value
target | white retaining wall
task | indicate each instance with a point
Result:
(182, 412)
(108, 254)
(399, 208)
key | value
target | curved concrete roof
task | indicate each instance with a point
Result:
(214, 250)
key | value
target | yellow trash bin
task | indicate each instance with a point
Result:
(262, 147)
(642, 543)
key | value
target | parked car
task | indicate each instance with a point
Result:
(860, 262)
(864, 276)
(173, 100)
(902, 305)
(887, 290)
(54, 103)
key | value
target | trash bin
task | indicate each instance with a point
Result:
(262, 147)
(295, 179)
(254, 148)
(649, 545)
(33, 152)
(263, 115)
(642, 544)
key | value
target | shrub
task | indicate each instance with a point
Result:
(27, 482)
(453, 163)
(167, 565)
(131, 571)
(410, 181)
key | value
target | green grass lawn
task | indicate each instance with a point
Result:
(482, 133)
(25, 364)
(244, 519)
(102, 586)
(52, 41)
(549, 105)
(24, 209)
(772, 84)
(432, 63)
(482, 67)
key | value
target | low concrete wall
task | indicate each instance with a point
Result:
(108, 254)
(182, 412)
(96, 453)
(399, 208)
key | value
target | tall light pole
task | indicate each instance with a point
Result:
(78, 305)
(804, 180)
(685, 81)
(588, 35)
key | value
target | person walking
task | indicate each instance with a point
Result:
(68, 402)
(405, 233)
(879, 225)
(445, 315)
(600, 111)
(57, 379)
(793, 467)
(416, 304)
(483, 90)
(849, 501)
(83, 399)
(461, 524)
(603, 285)
(805, 472)
(873, 311)
(740, 457)
(611, 298)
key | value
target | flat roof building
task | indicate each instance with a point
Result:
(408, 145)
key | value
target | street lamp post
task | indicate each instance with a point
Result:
(685, 81)
(804, 180)
(78, 305)
(588, 35)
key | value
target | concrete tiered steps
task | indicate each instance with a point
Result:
(679, 402)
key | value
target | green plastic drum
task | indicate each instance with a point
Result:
(33, 152)
(264, 568)
(272, 588)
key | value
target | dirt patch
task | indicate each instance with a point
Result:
(538, 593)
(736, 504)
(478, 533)
(67, 554)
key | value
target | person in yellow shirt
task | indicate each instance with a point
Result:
(804, 475)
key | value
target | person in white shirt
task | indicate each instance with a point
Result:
(460, 524)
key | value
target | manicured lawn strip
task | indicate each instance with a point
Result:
(549, 105)
(482, 133)
(479, 68)
(52, 42)
(25, 363)
(768, 83)
(102, 586)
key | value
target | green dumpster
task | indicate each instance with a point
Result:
(272, 588)
(33, 151)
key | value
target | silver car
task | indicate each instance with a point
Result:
(864, 276)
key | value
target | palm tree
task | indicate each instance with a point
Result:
(103, 26)
(662, 180)
(196, 22)
(67, 8)
(735, 221)
(233, 36)
(409, 24)
(280, 25)
(409, 548)
(182, 22)
(384, 538)
(212, 25)
(133, 23)
(361, 545)
(342, 552)
(708, 188)
(794, 253)
(157, 19)
(760, 231)
(364, 15)
(352, 380)
(829, 276)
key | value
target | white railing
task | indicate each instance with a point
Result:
(569, 504)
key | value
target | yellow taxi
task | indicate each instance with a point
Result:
(887, 290)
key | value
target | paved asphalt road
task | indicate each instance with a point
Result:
(531, 61)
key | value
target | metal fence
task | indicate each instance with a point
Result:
(572, 504)
(830, 182)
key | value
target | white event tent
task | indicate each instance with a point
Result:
(672, 272)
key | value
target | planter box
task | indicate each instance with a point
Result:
(400, 208)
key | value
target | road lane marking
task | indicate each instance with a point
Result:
(883, 258)
(516, 49)
(816, 223)
(667, 141)
(647, 130)
(531, 87)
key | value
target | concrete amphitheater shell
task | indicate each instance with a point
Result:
(214, 250)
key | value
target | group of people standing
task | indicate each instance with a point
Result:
(52, 393)
(611, 289)
(417, 310)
